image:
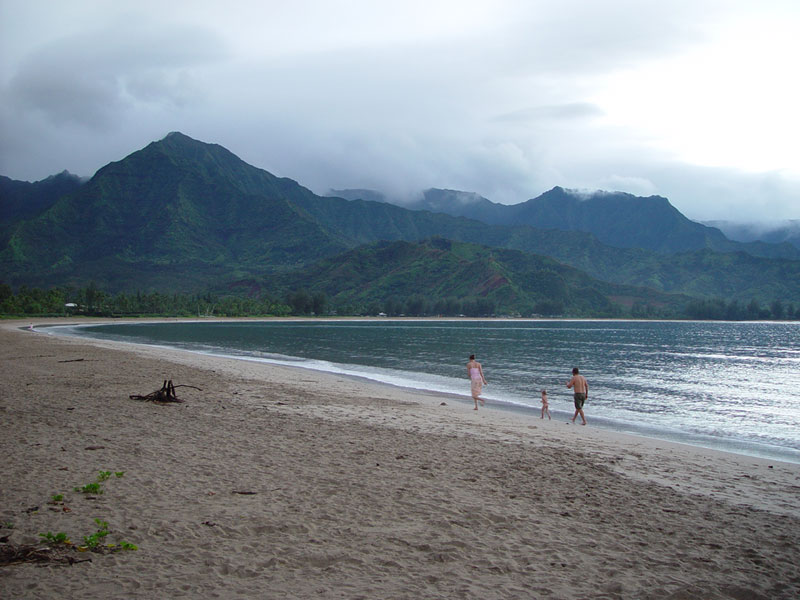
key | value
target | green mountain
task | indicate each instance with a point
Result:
(627, 221)
(178, 214)
(185, 216)
(617, 219)
(21, 200)
(511, 281)
(182, 215)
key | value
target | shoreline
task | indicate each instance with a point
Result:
(294, 483)
(743, 447)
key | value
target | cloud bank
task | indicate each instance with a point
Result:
(694, 101)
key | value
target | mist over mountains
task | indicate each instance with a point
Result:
(773, 233)
(615, 218)
(183, 216)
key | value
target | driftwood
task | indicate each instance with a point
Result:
(165, 394)
(12, 553)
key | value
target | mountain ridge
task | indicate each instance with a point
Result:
(510, 280)
(183, 215)
(618, 219)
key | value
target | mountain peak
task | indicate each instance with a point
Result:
(61, 176)
(437, 196)
(175, 140)
(177, 135)
(358, 194)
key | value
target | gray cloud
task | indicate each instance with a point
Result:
(492, 97)
(95, 78)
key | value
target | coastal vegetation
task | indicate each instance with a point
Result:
(92, 302)
(60, 547)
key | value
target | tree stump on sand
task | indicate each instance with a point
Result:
(165, 394)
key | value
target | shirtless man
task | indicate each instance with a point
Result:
(581, 388)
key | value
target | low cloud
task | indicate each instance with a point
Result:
(500, 98)
(94, 79)
(567, 111)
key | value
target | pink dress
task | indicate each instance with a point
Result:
(476, 380)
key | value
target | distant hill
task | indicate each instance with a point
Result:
(617, 219)
(510, 280)
(772, 233)
(627, 221)
(21, 200)
(181, 215)
(450, 202)
(463, 204)
(358, 194)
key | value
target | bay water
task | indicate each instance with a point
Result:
(722, 385)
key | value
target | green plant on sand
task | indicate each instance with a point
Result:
(92, 542)
(55, 538)
(91, 488)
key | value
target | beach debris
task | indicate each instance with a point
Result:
(72, 360)
(243, 493)
(13, 553)
(165, 394)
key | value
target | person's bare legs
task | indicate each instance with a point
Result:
(579, 411)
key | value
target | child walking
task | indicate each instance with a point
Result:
(545, 406)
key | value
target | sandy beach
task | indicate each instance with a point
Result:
(272, 482)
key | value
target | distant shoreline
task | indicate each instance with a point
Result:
(45, 321)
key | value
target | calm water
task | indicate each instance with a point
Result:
(730, 386)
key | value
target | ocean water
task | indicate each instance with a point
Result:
(728, 386)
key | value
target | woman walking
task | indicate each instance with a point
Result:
(477, 380)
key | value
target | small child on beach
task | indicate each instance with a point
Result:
(545, 406)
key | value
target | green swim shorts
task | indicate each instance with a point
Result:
(580, 398)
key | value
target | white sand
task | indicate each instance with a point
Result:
(357, 490)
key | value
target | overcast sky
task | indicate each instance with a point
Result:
(695, 100)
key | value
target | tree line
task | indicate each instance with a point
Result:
(719, 309)
(92, 301)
